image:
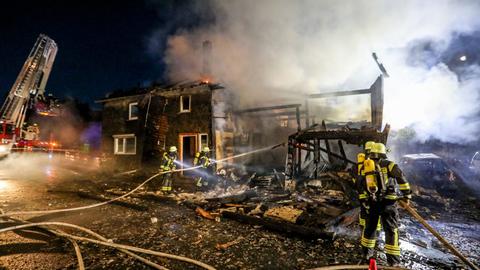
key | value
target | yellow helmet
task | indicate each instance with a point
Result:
(379, 148)
(172, 149)
(206, 149)
(369, 145)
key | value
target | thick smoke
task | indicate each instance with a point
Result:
(277, 51)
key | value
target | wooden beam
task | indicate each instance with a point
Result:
(376, 103)
(280, 226)
(341, 93)
(326, 151)
(260, 109)
(357, 137)
(297, 112)
(342, 152)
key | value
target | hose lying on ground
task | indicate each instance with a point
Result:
(42, 212)
(106, 243)
(71, 237)
(77, 248)
(78, 253)
(415, 214)
(345, 266)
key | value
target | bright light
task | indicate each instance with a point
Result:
(463, 58)
(4, 185)
(3, 149)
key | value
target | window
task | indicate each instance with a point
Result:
(284, 122)
(133, 111)
(203, 141)
(185, 103)
(125, 144)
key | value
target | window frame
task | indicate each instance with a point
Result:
(124, 137)
(183, 110)
(200, 146)
(130, 105)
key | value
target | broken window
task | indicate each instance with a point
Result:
(125, 144)
(185, 103)
(133, 111)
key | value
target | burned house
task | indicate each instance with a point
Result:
(315, 140)
(139, 125)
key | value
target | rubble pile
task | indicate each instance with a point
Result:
(309, 212)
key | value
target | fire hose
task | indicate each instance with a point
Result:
(42, 212)
(346, 266)
(104, 241)
(415, 214)
(78, 253)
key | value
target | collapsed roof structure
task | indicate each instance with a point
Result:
(311, 147)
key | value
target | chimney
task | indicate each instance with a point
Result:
(206, 69)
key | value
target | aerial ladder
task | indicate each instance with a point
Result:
(28, 88)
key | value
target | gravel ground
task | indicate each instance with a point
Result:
(163, 226)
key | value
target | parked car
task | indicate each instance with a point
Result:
(429, 171)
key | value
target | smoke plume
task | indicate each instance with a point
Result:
(276, 51)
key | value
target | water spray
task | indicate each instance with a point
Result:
(43, 212)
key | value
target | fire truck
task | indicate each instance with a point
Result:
(26, 97)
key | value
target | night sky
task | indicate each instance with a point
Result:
(103, 45)
(106, 45)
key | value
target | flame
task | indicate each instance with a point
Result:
(206, 80)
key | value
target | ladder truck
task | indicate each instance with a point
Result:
(26, 92)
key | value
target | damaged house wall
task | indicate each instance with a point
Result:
(261, 129)
(181, 116)
(120, 130)
(265, 126)
(188, 129)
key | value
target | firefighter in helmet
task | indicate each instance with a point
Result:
(202, 159)
(378, 194)
(357, 179)
(166, 167)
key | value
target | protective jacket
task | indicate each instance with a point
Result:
(387, 175)
(167, 166)
(201, 159)
(168, 162)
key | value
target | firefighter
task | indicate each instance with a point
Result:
(357, 179)
(379, 197)
(167, 166)
(202, 159)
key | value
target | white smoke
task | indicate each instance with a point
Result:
(275, 51)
